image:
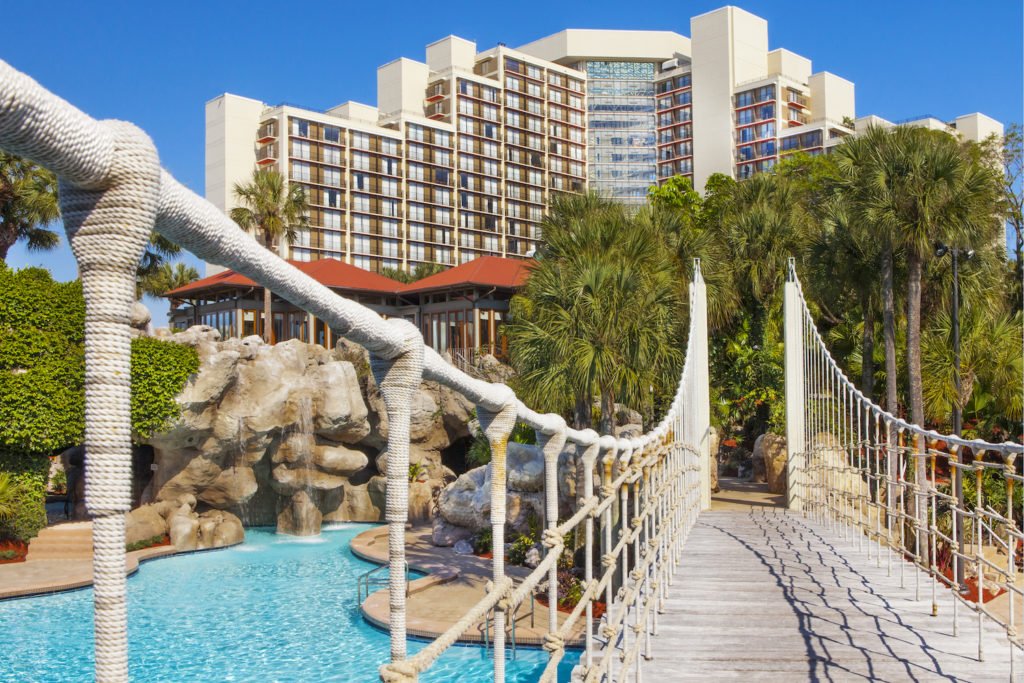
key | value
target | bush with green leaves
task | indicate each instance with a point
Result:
(42, 382)
(479, 451)
(483, 541)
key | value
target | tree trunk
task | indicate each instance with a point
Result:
(268, 319)
(916, 386)
(581, 416)
(607, 425)
(5, 246)
(867, 348)
(889, 335)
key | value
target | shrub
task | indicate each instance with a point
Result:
(479, 452)
(146, 543)
(483, 541)
(28, 473)
(59, 481)
(519, 548)
(159, 372)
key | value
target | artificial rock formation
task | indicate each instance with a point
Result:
(291, 435)
(770, 449)
(465, 504)
(188, 529)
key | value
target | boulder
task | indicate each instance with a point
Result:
(770, 449)
(232, 486)
(300, 517)
(183, 528)
(144, 523)
(219, 529)
(445, 534)
(339, 459)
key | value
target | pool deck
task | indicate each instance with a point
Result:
(60, 559)
(453, 584)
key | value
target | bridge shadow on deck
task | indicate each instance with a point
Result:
(767, 595)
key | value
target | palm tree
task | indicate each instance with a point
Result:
(272, 209)
(600, 314)
(421, 271)
(167, 277)
(10, 491)
(28, 202)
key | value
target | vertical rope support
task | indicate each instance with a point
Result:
(551, 442)
(496, 427)
(589, 459)
(108, 225)
(398, 379)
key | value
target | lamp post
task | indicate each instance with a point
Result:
(958, 481)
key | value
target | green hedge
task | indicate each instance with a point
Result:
(42, 371)
(29, 472)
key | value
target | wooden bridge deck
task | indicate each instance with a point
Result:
(763, 594)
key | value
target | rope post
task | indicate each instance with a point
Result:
(589, 459)
(701, 400)
(497, 426)
(108, 225)
(399, 379)
(795, 448)
(551, 441)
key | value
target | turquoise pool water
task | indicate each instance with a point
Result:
(276, 608)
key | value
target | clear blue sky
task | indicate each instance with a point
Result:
(156, 64)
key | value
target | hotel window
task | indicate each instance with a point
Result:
(389, 186)
(466, 145)
(443, 216)
(534, 107)
(332, 241)
(533, 89)
(490, 186)
(465, 126)
(513, 100)
(360, 224)
(389, 227)
(332, 155)
(300, 254)
(514, 137)
(491, 149)
(488, 93)
(416, 252)
(441, 176)
(332, 198)
(442, 138)
(443, 255)
(360, 140)
(332, 219)
(513, 119)
(415, 132)
(300, 127)
(416, 172)
(415, 151)
(416, 231)
(300, 149)
(332, 134)
(442, 157)
(389, 166)
(490, 168)
(389, 207)
(512, 83)
(416, 212)
(467, 88)
(360, 181)
(466, 107)
(361, 161)
(360, 202)
(332, 176)
(360, 243)
(415, 192)
(300, 171)
(389, 248)
(364, 262)
(490, 112)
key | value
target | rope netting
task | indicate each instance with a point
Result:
(649, 489)
(865, 472)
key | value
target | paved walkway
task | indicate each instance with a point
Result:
(60, 558)
(763, 594)
(434, 604)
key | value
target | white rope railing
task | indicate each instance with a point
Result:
(114, 193)
(864, 471)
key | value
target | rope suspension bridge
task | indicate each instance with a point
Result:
(850, 569)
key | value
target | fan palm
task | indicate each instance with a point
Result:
(167, 277)
(28, 202)
(273, 210)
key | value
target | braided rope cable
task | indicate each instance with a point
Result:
(398, 379)
(550, 442)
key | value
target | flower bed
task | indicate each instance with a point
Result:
(13, 551)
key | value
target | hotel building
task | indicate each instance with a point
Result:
(463, 151)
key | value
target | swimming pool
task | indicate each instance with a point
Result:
(276, 608)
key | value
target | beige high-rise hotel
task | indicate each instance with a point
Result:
(463, 151)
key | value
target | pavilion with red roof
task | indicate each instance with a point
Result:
(459, 310)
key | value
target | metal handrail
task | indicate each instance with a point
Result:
(513, 616)
(370, 578)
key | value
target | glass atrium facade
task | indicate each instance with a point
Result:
(621, 128)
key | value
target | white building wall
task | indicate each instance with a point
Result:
(832, 97)
(231, 124)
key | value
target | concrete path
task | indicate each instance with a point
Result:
(60, 558)
(434, 604)
(763, 594)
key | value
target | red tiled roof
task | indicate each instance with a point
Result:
(329, 272)
(485, 271)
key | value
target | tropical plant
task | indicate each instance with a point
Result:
(28, 203)
(601, 314)
(421, 271)
(273, 210)
(165, 278)
(9, 493)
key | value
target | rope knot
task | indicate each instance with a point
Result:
(636, 575)
(607, 491)
(552, 539)
(609, 631)
(398, 672)
(636, 522)
(553, 643)
(608, 560)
